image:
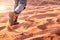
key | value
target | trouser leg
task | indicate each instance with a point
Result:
(19, 8)
(16, 3)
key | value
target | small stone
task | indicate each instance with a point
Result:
(43, 27)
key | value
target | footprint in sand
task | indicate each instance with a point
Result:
(58, 20)
(2, 27)
(43, 27)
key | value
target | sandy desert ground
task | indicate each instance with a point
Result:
(37, 22)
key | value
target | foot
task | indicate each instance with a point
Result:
(16, 23)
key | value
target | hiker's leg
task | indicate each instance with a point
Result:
(14, 15)
(19, 8)
(16, 3)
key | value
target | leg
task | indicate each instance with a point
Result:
(16, 12)
(16, 3)
(14, 15)
(19, 8)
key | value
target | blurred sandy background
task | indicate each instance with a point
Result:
(39, 21)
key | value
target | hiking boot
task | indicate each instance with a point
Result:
(13, 18)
